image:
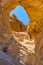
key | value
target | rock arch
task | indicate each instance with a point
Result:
(33, 7)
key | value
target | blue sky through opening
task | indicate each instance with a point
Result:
(21, 14)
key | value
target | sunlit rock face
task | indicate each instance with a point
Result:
(35, 27)
(16, 25)
(34, 9)
(23, 48)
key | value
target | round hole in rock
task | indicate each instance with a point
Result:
(21, 14)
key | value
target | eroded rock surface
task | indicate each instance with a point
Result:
(34, 9)
(39, 48)
(16, 25)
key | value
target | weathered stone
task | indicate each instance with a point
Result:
(6, 37)
(34, 9)
(39, 49)
(16, 25)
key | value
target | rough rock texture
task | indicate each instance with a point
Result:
(35, 27)
(34, 9)
(39, 49)
(16, 25)
(5, 33)
(23, 48)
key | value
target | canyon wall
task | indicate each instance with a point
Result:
(34, 9)
(5, 33)
(16, 25)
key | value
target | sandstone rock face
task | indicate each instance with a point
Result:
(34, 9)
(23, 48)
(16, 25)
(39, 49)
(34, 28)
(5, 33)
